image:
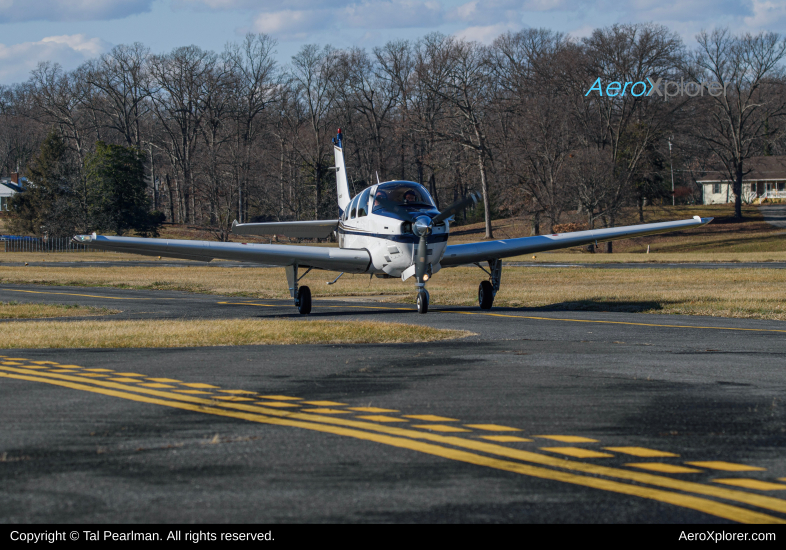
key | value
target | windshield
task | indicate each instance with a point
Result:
(404, 193)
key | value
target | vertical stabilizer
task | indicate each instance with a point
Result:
(342, 185)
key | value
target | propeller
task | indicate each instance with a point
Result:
(422, 225)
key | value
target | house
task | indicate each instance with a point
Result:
(9, 187)
(765, 178)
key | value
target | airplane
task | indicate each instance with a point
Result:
(391, 229)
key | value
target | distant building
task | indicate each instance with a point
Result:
(766, 178)
(10, 187)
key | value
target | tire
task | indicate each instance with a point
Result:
(304, 300)
(422, 301)
(485, 295)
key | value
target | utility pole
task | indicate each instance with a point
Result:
(672, 174)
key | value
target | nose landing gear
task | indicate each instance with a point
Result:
(423, 300)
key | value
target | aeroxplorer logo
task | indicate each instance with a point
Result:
(662, 88)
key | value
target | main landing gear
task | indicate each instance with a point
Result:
(488, 289)
(301, 295)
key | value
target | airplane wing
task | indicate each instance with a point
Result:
(301, 230)
(459, 254)
(320, 257)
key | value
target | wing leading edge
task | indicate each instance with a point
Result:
(459, 254)
(329, 258)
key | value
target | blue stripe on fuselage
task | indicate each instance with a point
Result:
(413, 239)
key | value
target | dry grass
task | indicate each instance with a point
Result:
(222, 332)
(748, 293)
(16, 310)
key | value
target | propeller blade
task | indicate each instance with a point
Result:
(397, 209)
(454, 208)
(420, 258)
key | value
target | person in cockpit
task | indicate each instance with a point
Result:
(410, 197)
(379, 195)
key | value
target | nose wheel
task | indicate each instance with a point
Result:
(423, 301)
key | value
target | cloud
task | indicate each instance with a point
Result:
(16, 11)
(17, 60)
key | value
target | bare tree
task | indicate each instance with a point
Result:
(747, 107)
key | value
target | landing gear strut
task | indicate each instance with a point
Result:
(301, 295)
(488, 289)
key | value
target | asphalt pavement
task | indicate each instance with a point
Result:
(541, 416)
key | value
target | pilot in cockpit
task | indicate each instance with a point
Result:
(410, 197)
(379, 195)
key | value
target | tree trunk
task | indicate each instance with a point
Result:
(485, 189)
(738, 192)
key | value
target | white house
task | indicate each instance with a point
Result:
(9, 187)
(765, 178)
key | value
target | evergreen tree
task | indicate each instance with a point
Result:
(45, 207)
(116, 191)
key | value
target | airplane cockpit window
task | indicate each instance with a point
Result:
(404, 193)
(351, 208)
(363, 204)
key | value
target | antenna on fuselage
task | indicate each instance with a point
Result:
(377, 173)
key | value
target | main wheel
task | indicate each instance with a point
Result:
(423, 301)
(485, 295)
(304, 300)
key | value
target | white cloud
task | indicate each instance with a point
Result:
(17, 60)
(486, 34)
(14, 11)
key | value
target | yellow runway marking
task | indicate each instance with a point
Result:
(578, 452)
(719, 509)
(504, 438)
(568, 438)
(382, 418)
(440, 428)
(726, 466)
(492, 427)
(752, 484)
(197, 385)
(157, 385)
(275, 404)
(85, 295)
(665, 468)
(324, 403)
(430, 418)
(612, 322)
(130, 374)
(165, 380)
(334, 425)
(326, 411)
(640, 451)
(278, 397)
(132, 380)
(233, 398)
(372, 410)
(246, 392)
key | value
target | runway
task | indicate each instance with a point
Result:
(541, 416)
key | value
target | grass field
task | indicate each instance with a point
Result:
(16, 310)
(221, 332)
(744, 293)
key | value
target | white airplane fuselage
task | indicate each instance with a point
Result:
(388, 239)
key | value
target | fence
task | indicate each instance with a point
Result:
(15, 243)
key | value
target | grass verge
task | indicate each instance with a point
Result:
(16, 310)
(213, 332)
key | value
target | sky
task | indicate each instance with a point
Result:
(71, 31)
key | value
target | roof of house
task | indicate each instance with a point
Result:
(757, 168)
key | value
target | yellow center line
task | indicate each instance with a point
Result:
(83, 295)
(703, 505)
(612, 322)
(766, 502)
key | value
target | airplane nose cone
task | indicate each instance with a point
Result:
(421, 226)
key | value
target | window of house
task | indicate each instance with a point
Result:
(781, 186)
(716, 188)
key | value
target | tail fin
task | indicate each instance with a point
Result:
(342, 186)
